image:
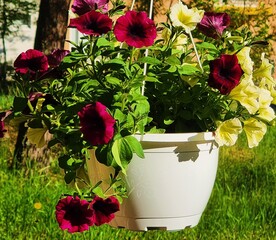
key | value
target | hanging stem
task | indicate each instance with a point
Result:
(147, 51)
(197, 56)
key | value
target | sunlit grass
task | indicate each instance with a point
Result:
(242, 205)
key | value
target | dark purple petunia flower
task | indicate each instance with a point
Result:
(136, 29)
(92, 23)
(32, 61)
(74, 214)
(55, 58)
(81, 7)
(97, 125)
(104, 209)
(225, 73)
(213, 24)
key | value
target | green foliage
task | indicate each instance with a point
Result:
(173, 95)
(241, 207)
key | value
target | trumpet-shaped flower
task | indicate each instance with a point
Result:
(270, 87)
(267, 81)
(225, 73)
(104, 209)
(136, 29)
(228, 131)
(213, 24)
(32, 61)
(265, 111)
(265, 71)
(245, 60)
(92, 23)
(182, 16)
(56, 56)
(74, 214)
(247, 94)
(97, 125)
(81, 7)
(179, 42)
(254, 130)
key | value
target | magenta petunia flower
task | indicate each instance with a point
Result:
(136, 29)
(2, 124)
(81, 7)
(225, 73)
(104, 209)
(31, 61)
(213, 24)
(97, 125)
(74, 214)
(92, 23)
(55, 57)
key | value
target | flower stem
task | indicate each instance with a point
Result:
(197, 56)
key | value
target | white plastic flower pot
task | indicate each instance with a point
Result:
(170, 188)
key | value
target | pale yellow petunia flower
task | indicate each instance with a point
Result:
(265, 111)
(245, 60)
(265, 71)
(255, 131)
(247, 94)
(182, 16)
(179, 43)
(228, 131)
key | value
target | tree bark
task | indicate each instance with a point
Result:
(51, 25)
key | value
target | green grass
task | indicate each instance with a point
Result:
(242, 205)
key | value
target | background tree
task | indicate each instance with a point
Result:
(12, 14)
(51, 25)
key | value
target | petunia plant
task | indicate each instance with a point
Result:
(129, 75)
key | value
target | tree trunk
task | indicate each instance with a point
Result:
(51, 25)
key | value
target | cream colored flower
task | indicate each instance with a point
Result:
(179, 42)
(265, 111)
(265, 71)
(254, 130)
(228, 131)
(182, 16)
(245, 60)
(247, 94)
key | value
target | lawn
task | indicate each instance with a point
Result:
(242, 205)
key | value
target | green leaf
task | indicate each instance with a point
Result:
(99, 192)
(36, 123)
(102, 42)
(149, 60)
(207, 45)
(135, 146)
(122, 153)
(120, 116)
(37, 136)
(151, 79)
(168, 121)
(62, 161)
(70, 176)
(113, 80)
(188, 69)
(173, 60)
(19, 104)
(156, 130)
